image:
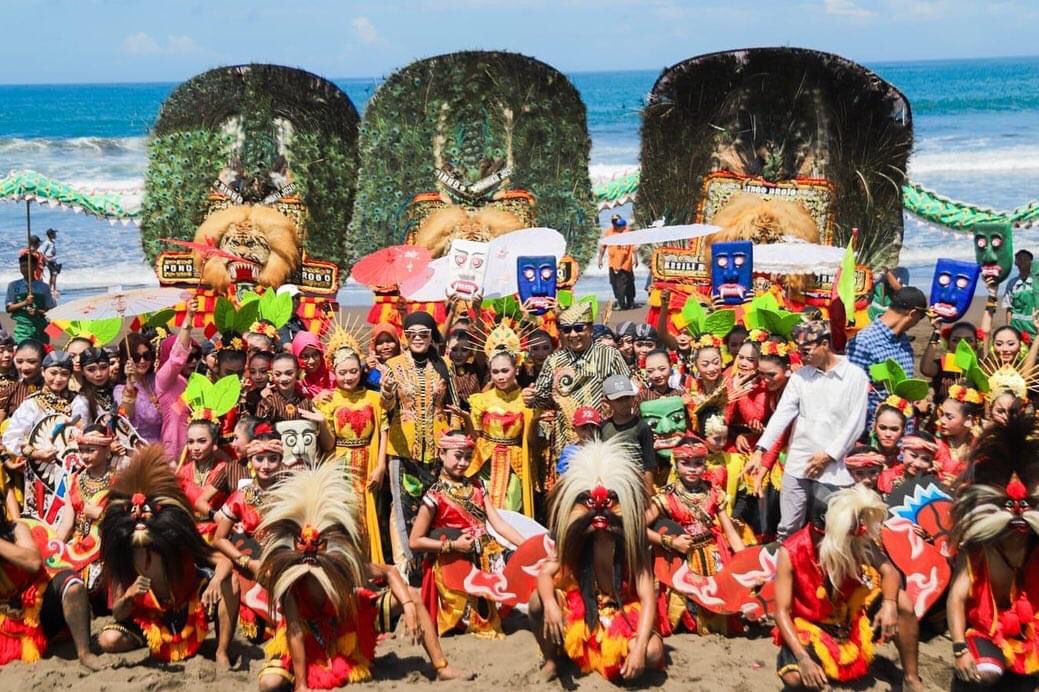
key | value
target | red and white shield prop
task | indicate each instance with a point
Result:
(57, 554)
(927, 503)
(512, 586)
(925, 568)
(745, 585)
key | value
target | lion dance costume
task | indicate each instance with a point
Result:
(833, 622)
(147, 509)
(1002, 501)
(601, 491)
(313, 542)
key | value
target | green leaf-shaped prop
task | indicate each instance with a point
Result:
(274, 307)
(719, 323)
(224, 315)
(210, 401)
(159, 319)
(893, 378)
(751, 317)
(228, 318)
(698, 322)
(506, 306)
(967, 361)
(245, 316)
(100, 332)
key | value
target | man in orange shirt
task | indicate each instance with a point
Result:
(623, 260)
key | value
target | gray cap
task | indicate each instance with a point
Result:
(617, 386)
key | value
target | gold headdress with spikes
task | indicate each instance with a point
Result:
(1018, 379)
(343, 340)
(502, 338)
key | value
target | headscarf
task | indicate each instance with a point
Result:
(166, 348)
(424, 319)
(383, 328)
(57, 359)
(313, 383)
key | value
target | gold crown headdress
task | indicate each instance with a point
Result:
(1019, 379)
(502, 338)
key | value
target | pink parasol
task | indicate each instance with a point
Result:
(406, 266)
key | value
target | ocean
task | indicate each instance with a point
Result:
(976, 139)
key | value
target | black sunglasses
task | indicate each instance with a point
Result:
(145, 355)
(573, 328)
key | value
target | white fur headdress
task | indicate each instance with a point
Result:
(311, 528)
(611, 465)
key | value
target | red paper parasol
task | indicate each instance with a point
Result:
(406, 266)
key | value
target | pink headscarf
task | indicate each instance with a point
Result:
(319, 381)
(166, 347)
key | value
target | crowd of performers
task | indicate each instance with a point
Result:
(306, 492)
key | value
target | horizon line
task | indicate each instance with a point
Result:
(865, 63)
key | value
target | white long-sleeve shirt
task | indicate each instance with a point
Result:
(828, 410)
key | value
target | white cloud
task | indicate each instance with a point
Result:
(144, 44)
(846, 8)
(181, 45)
(140, 44)
(365, 30)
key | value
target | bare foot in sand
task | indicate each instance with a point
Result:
(548, 671)
(451, 673)
(223, 661)
(912, 684)
(92, 662)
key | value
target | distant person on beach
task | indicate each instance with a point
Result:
(49, 250)
(622, 260)
(28, 302)
(1018, 299)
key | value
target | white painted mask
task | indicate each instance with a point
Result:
(468, 264)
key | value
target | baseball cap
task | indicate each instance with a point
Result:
(586, 415)
(618, 386)
(618, 220)
(909, 298)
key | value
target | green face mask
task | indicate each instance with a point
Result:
(668, 419)
(994, 250)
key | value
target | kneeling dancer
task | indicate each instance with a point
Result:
(595, 599)
(162, 576)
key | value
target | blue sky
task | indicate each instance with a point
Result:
(121, 40)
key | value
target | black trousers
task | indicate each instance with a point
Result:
(623, 283)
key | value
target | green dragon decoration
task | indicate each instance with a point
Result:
(32, 186)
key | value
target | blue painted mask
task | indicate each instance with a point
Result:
(953, 288)
(536, 279)
(732, 265)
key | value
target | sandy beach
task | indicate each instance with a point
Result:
(696, 663)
